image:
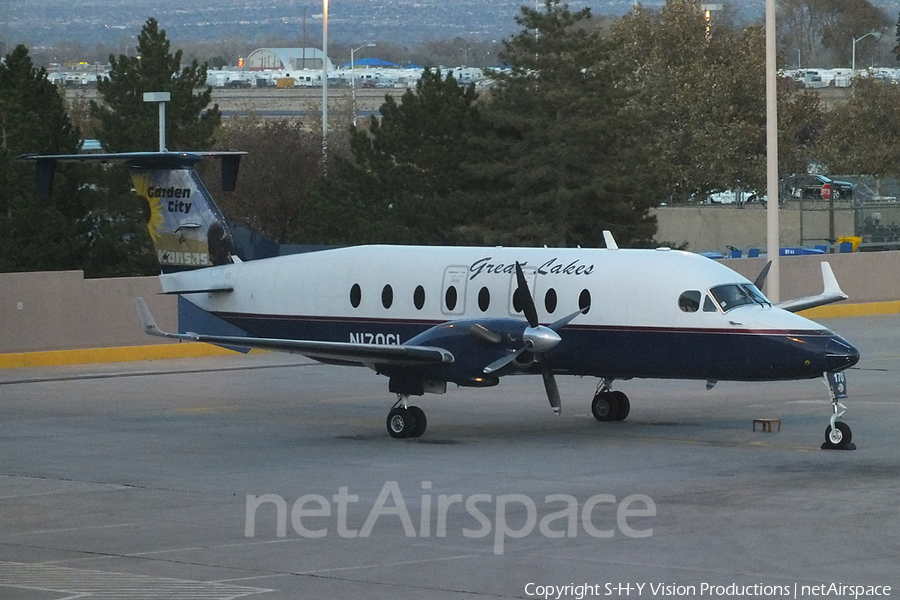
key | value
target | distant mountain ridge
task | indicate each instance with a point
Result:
(112, 22)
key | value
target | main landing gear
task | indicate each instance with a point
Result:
(609, 405)
(837, 434)
(406, 421)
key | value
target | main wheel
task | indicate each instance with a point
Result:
(421, 422)
(401, 423)
(605, 407)
(838, 437)
(623, 403)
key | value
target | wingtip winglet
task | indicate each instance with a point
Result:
(148, 323)
(830, 282)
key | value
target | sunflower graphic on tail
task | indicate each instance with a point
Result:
(151, 208)
(186, 227)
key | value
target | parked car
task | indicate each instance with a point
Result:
(738, 197)
(810, 186)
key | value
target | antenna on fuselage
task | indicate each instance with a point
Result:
(610, 240)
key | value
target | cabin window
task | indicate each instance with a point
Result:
(738, 294)
(355, 295)
(387, 296)
(450, 297)
(419, 297)
(517, 300)
(708, 304)
(484, 299)
(689, 301)
(550, 300)
(584, 301)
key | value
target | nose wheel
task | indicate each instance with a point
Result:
(837, 435)
(406, 421)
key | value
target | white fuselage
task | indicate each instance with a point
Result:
(631, 288)
(638, 323)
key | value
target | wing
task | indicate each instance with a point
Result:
(345, 353)
(831, 292)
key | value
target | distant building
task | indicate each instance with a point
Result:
(368, 63)
(264, 59)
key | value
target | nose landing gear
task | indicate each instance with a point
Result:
(837, 434)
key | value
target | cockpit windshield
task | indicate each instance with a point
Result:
(738, 294)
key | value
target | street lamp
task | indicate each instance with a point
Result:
(160, 98)
(353, 78)
(707, 14)
(773, 285)
(324, 87)
(877, 35)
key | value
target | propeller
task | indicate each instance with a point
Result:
(536, 338)
(761, 278)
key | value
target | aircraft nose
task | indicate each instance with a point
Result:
(840, 354)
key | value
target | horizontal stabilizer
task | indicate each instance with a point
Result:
(212, 281)
(145, 160)
(362, 354)
(831, 292)
(212, 290)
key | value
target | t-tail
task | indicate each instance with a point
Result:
(187, 228)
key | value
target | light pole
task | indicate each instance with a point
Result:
(324, 87)
(773, 242)
(353, 78)
(707, 14)
(160, 98)
(877, 35)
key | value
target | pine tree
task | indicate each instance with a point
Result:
(563, 159)
(35, 234)
(127, 123)
(405, 182)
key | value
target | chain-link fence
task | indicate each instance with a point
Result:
(875, 203)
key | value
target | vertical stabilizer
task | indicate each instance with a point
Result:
(186, 226)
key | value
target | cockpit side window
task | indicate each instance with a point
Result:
(709, 305)
(757, 295)
(731, 296)
(689, 301)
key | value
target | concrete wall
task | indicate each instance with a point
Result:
(62, 310)
(864, 276)
(715, 227)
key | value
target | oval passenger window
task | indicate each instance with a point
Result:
(450, 298)
(419, 297)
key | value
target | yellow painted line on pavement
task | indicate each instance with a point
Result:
(866, 309)
(83, 356)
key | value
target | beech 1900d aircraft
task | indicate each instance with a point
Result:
(428, 316)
